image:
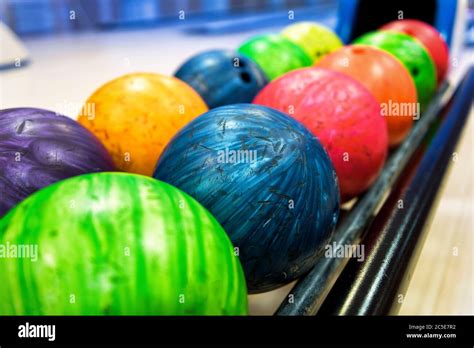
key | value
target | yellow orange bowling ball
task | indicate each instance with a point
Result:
(136, 115)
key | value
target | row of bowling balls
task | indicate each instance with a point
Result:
(252, 187)
(340, 102)
(263, 176)
(226, 77)
(400, 65)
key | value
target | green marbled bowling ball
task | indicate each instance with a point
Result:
(412, 54)
(275, 54)
(118, 244)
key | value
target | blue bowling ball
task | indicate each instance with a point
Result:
(266, 179)
(223, 77)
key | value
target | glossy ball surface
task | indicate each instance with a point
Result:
(222, 77)
(137, 114)
(118, 244)
(386, 78)
(412, 54)
(266, 179)
(275, 55)
(429, 37)
(39, 147)
(317, 40)
(344, 116)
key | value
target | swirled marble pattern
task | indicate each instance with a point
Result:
(429, 37)
(385, 77)
(412, 54)
(277, 198)
(118, 244)
(39, 147)
(316, 39)
(344, 116)
(275, 54)
(222, 77)
(135, 116)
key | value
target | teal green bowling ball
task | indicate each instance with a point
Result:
(117, 244)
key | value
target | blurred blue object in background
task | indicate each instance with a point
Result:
(32, 17)
(28, 17)
(13, 53)
(470, 24)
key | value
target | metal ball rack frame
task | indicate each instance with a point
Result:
(392, 237)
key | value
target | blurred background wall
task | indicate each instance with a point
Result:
(42, 17)
(33, 17)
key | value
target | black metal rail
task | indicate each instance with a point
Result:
(395, 238)
(310, 291)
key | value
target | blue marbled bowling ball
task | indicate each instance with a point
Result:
(266, 179)
(39, 147)
(223, 77)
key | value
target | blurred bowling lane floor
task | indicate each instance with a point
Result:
(443, 280)
(66, 69)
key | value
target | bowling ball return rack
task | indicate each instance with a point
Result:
(392, 237)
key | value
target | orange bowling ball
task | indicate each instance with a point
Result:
(136, 115)
(388, 80)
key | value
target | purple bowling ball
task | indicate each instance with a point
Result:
(39, 147)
